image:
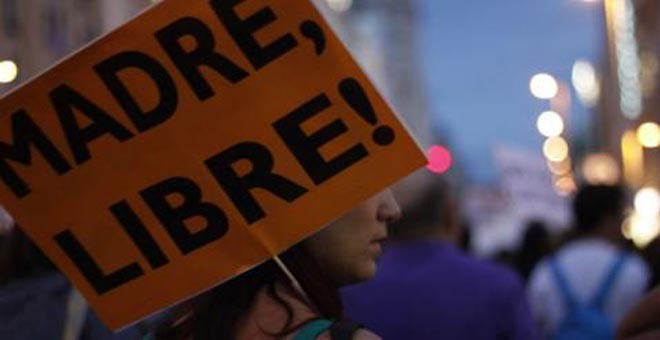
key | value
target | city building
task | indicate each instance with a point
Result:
(631, 71)
(34, 34)
(381, 35)
(628, 117)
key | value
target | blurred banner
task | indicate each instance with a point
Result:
(528, 185)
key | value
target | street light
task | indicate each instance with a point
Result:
(555, 149)
(8, 71)
(641, 229)
(632, 156)
(601, 168)
(565, 185)
(560, 168)
(586, 82)
(647, 202)
(648, 135)
(550, 124)
(543, 86)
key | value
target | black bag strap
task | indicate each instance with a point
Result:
(344, 330)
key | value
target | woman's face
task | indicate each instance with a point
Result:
(347, 249)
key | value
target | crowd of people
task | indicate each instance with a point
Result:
(425, 285)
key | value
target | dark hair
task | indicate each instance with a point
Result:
(536, 244)
(20, 258)
(216, 314)
(595, 203)
(426, 214)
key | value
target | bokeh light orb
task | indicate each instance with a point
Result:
(601, 168)
(543, 86)
(439, 159)
(555, 149)
(647, 202)
(550, 124)
(648, 135)
(8, 71)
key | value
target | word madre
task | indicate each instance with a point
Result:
(69, 103)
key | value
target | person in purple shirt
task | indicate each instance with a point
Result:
(426, 288)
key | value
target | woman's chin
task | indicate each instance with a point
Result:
(366, 272)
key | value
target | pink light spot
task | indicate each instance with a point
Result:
(439, 159)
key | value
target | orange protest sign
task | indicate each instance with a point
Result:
(190, 145)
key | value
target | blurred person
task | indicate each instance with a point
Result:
(427, 288)
(465, 237)
(505, 257)
(651, 253)
(536, 244)
(643, 321)
(37, 302)
(584, 290)
(267, 303)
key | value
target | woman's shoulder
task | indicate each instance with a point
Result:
(323, 329)
(361, 334)
(364, 334)
(268, 313)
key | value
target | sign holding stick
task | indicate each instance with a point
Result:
(191, 144)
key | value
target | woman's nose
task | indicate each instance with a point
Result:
(389, 210)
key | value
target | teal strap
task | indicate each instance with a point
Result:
(313, 329)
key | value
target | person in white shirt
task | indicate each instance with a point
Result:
(586, 262)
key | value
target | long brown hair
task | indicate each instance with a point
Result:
(20, 258)
(216, 314)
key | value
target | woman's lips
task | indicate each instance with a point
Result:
(375, 249)
(376, 246)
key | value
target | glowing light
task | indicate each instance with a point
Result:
(644, 225)
(641, 229)
(648, 135)
(543, 86)
(601, 169)
(439, 159)
(340, 5)
(647, 202)
(8, 71)
(555, 149)
(586, 82)
(633, 158)
(627, 57)
(550, 124)
(565, 185)
(560, 168)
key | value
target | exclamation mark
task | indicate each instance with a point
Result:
(356, 97)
